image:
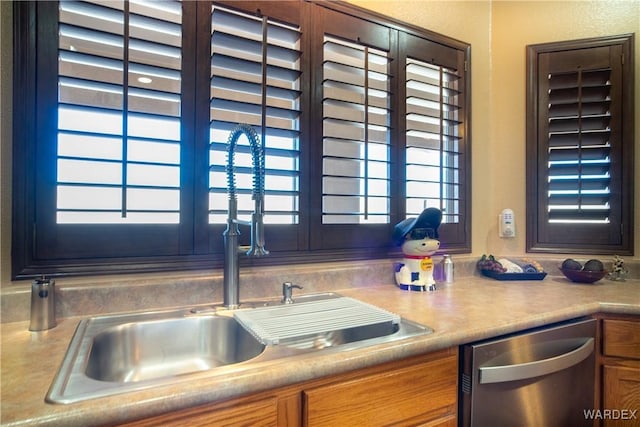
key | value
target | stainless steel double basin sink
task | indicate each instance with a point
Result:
(126, 352)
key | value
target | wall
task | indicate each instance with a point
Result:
(499, 32)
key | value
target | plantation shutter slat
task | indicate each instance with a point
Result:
(255, 79)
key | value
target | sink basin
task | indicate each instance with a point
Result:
(126, 352)
(153, 349)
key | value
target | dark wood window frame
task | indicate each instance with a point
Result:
(580, 146)
(193, 244)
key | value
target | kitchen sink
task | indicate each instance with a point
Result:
(126, 352)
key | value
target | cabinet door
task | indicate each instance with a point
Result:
(410, 395)
(621, 396)
(260, 413)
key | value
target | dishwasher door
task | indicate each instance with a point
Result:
(541, 378)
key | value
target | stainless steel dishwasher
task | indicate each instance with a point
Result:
(540, 378)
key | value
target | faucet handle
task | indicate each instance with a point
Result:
(287, 292)
(257, 248)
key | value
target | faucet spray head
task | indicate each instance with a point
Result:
(257, 248)
(257, 156)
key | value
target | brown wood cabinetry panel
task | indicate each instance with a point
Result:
(621, 338)
(621, 396)
(290, 410)
(408, 395)
(419, 391)
(260, 413)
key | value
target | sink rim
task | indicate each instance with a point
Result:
(71, 384)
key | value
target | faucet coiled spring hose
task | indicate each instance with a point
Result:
(256, 156)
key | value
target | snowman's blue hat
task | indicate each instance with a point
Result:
(426, 225)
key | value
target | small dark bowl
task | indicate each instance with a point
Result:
(582, 276)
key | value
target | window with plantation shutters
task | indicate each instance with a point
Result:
(255, 79)
(126, 106)
(353, 204)
(102, 117)
(394, 124)
(432, 140)
(119, 108)
(356, 134)
(582, 147)
(435, 134)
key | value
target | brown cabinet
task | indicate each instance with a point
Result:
(619, 371)
(419, 391)
(413, 394)
(257, 411)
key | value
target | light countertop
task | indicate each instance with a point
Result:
(471, 309)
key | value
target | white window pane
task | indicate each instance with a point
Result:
(153, 127)
(89, 172)
(423, 189)
(153, 199)
(96, 147)
(153, 175)
(85, 197)
(99, 122)
(151, 151)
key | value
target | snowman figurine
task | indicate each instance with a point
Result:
(418, 239)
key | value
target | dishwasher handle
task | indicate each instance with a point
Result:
(522, 371)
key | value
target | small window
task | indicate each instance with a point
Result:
(580, 146)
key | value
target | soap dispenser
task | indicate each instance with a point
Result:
(43, 304)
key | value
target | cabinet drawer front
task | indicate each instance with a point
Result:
(414, 394)
(621, 338)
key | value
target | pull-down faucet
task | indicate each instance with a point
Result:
(231, 281)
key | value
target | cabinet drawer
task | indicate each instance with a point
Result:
(621, 338)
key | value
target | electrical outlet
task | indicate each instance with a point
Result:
(507, 225)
